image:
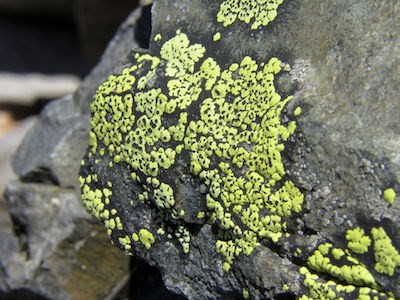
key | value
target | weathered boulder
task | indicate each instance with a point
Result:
(253, 150)
(57, 252)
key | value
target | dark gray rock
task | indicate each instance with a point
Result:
(9, 142)
(62, 126)
(43, 216)
(55, 250)
(344, 74)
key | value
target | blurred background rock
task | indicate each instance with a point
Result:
(51, 249)
(46, 47)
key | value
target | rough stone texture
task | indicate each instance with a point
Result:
(344, 154)
(51, 160)
(11, 136)
(43, 217)
(56, 247)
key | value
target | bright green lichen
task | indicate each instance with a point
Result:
(164, 196)
(157, 37)
(183, 236)
(225, 123)
(297, 111)
(387, 258)
(319, 288)
(297, 252)
(146, 238)
(126, 242)
(245, 294)
(216, 37)
(260, 12)
(95, 201)
(357, 241)
(389, 195)
(345, 268)
(352, 271)
(233, 137)
(180, 60)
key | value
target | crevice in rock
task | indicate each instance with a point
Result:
(20, 229)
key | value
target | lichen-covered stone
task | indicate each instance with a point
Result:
(230, 139)
(242, 169)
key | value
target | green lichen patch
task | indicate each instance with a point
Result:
(321, 288)
(389, 195)
(387, 258)
(146, 238)
(343, 267)
(216, 37)
(259, 12)
(225, 124)
(245, 294)
(357, 241)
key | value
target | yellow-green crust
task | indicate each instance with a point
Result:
(387, 258)
(232, 135)
(260, 12)
(357, 241)
(350, 278)
(389, 195)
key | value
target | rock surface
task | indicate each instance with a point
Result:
(11, 135)
(343, 157)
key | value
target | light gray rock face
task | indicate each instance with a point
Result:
(344, 154)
